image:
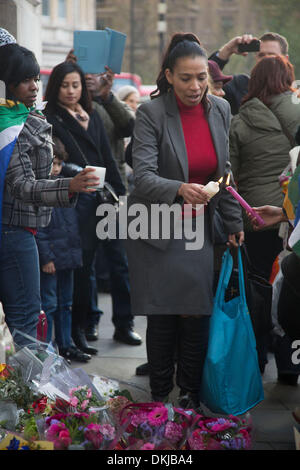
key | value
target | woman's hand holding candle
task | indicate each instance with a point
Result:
(193, 193)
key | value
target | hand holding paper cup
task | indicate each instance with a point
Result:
(99, 172)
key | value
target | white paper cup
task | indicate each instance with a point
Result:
(100, 173)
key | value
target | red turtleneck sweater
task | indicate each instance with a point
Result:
(202, 158)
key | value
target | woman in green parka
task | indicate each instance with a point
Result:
(261, 137)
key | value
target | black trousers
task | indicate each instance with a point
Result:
(289, 311)
(188, 336)
(84, 310)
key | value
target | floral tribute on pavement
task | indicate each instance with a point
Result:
(44, 404)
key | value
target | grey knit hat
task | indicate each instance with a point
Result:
(6, 37)
(125, 91)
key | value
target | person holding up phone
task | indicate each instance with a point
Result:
(269, 44)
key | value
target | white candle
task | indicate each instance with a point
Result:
(212, 188)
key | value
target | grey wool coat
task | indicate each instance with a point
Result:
(165, 278)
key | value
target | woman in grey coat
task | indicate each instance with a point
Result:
(180, 144)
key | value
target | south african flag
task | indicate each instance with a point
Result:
(12, 119)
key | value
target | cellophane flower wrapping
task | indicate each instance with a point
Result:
(46, 372)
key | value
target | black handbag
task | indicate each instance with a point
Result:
(258, 296)
(107, 195)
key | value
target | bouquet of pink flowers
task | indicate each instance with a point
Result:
(231, 433)
(149, 426)
(79, 429)
(82, 398)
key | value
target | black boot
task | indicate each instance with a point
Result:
(143, 369)
(127, 336)
(79, 338)
(75, 354)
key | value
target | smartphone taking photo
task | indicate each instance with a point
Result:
(253, 46)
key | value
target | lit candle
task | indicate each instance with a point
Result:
(245, 205)
(213, 187)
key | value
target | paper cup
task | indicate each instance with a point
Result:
(100, 173)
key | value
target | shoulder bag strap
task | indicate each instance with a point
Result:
(224, 277)
(86, 162)
(241, 277)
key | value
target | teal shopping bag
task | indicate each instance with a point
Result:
(231, 381)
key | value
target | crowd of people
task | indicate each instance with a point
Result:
(200, 125)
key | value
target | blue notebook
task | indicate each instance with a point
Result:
(95, 49)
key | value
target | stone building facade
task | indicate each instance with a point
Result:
(214, 22)
(22, 19)
(59, 18)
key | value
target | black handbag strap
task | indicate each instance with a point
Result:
(246, 258)
(86, 162)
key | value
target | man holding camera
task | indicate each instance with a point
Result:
(268, 44)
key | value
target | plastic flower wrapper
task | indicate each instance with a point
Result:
(149, 426)
(105, 386)
(47, 372)
(79, 409)
(31, 357)
(224, 433)
(116, 405)
(32, 420)
(108, 433)
(8, 415)
(58, 379)
(102, 436)
(83, 398)
(109, 387)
